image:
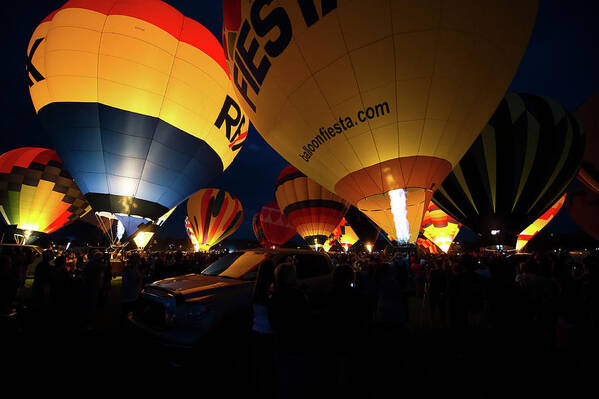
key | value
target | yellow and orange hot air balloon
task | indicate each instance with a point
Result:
(427, 245)
(375, 100)
(539, 224)
(137, 100)
(439, 227)
(345, 235)
(313, 210)
(213, 215)
(37, 193)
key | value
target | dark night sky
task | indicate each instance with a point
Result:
(560, 63)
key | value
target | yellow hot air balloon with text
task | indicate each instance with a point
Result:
(375, 100)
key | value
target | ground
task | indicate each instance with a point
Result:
(423, 360)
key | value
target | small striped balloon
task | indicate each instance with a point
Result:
(312, 209)
(214, 215)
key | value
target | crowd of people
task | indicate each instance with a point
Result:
(542, 300)
(68, 288)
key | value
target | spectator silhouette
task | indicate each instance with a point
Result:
(8, 285)
(289, 319)
(59, 292)
(131, 286)
(92, 277)
(42, 281)
(263, 366)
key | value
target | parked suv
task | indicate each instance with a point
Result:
(182, 310)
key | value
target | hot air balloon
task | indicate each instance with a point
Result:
(137, 100)
(37, 193)
(439, 227)
(213, 215)
(258, 232)
(311, 208)
(345, 235)
(520, 165)
(276, 227)
(588, 114)
(539, 224)
(427, 245)
(328, 244)
(583, 208)
(375, 100)
(191, 235)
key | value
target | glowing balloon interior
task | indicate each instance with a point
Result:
(37, 193)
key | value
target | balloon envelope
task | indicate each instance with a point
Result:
(539, 224)
(213, 216)
(439, 227)
(257, 228)
(311, 208)
(276, 227)
(427, 245)
(36, 192)
(191, 235)
(137, 99)
(366, 97)
(520, 165)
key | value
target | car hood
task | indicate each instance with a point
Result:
(190, 284)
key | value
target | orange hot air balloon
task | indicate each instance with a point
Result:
(37, 193)
(213, 216)
(313, 210)
(538, 224)
(588, 114)
(439, 227)
(371, 97)
(427, 245)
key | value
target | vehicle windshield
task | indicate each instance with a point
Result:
(238, 265)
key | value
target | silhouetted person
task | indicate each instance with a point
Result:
(42, 281)
(437, 287)
(263, 338)
(91, 282)
(132, 285)
(8, 284)
(106, 280)
(289, 318)
(348, 320)
(60, 292)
